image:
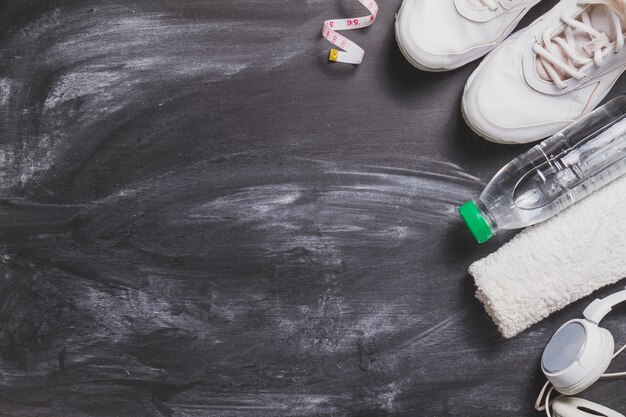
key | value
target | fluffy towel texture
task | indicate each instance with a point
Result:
(548, 266)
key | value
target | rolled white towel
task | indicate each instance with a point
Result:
(550, 265)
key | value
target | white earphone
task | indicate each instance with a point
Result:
(578, 355)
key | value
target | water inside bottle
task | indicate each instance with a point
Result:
(559, 171)
(570, 167)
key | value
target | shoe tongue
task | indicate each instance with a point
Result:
(600, 18)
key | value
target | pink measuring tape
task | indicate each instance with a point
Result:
(352, 53)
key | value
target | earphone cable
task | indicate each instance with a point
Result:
(619, 351)
(538, 402)
(547, 403)
(616, 374)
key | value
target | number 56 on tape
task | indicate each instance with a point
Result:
(352, 53)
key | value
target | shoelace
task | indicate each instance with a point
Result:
(598, 41)
(491, 4)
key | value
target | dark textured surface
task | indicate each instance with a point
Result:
(202, 217)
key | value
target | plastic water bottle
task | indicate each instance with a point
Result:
(553, 175)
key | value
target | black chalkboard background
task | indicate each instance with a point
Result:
(200, 216)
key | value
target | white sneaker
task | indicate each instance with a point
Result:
(440, 35)
(550, 74)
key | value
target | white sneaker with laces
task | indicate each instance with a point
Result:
(441, 35)
(550, 74)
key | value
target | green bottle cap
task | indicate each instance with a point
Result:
(476, 222)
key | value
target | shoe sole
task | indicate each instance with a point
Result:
(479, 132)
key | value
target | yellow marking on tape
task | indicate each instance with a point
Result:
(333, 55)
